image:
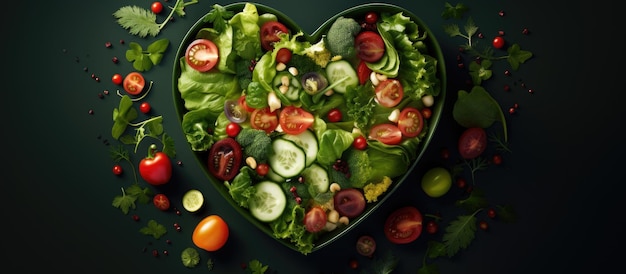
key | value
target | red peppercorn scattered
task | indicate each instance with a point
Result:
(135, 217)
(481, 35)
(461, 182)
(91, 112)
(525, 31)
(491, 213)
(155, 253)
(106, 92)
(121, 41)
(445, 153)
(179, 162)
(531, 91)
(115, 59)
(108, 44)
(512, 110)
(507, 72)
(507, 88)
(483, 225)
(501, 13)
(500, 33)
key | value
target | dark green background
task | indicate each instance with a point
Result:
(564, 177)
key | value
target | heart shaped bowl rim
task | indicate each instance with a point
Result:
(433, 50)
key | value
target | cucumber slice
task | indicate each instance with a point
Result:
(341, 70)
(293, 88)
(317, 178)
(193, 200)
(287, 159)
(308, 142)
(268, 202)
(271, 175)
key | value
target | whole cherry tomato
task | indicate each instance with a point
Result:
(211, 233)
(156, 168)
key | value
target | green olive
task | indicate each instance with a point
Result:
(436, 182)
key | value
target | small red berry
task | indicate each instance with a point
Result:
(432, 227)
(145, 107)
(135, 217)
(501, 13)
(525, 31)
(491, 213)
(497, 159)
(445, 153)
(461, 182)
(117, 169)
(498, 42)
(108, 44)
(483, 225)
(354, 264)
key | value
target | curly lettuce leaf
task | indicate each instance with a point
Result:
(290, 226)
(195, 124)
(241, 188)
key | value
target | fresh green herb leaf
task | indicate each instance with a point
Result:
(506, 213)
(219, 16)
(118, 153)
(474, 165)
(480, 71)
(428, 269)
(475, 201)
(435, 249)
(210, 263)
(383, 265)
(501, 145)
(190, 257)
(179, 8)
(153, 229)
(517, 56)
(143, 195)
(478, 109)
(124, 202)
(122, 115)
(459, 234)
(143, 60)
(455, 11)
(256, 267)
(142, 22)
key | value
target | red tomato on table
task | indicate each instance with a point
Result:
(156, 168)
(404, 225)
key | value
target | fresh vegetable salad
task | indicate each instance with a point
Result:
(307, 134)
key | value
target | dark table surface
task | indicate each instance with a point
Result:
(563, 178)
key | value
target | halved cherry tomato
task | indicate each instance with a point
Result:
(161, 202)
(264, 119)
(225, 159)
(404, 225)
(134, 83)
(473, 142)
(389, 93)
(363, 71)
(269, 33)
(242, 102)
(202, 55)
(211, 233)
(283, 55)
(294, 120)
(370, 47)
(410, 122)
(386, 133)
(315, 219)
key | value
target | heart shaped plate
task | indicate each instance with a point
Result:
(424, 45)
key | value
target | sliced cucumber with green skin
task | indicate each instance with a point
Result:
(268, 202)
(341, 70)
(287, 159)
(317, 178)
(293, 89)
(271, 175)
(308, 142)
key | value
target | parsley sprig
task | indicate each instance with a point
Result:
(142, 22)
(144, 60)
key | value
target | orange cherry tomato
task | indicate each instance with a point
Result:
(211, 233)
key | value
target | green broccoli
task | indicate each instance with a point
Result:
(340, 37)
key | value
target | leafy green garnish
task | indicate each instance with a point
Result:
(118, 153)
(153, 229)
(475, 201)
(219, 16)
(480, 71)
(190, 257)
(143, 60)
(459, 234)
(383, 265)
(142, 22)
(506, 213)
(478, 109)
(130, 195)
(517, 56)
(256, 267)
(124, 202)
(455, 11)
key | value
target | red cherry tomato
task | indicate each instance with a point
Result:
(360, 142)
(156, 7)
(262, 169)
(472, 143)
(315, 219)
(156, 168)
(370, 47)
(242, 102)
(371, 17)
(366, 245)
(410, 122)
(117, 169)
(202, 55)
(211, 233)
(264, 119)
(232, 129)
(389, 93)
(427, 113)
(363, 71)
(404, 225)
(294, 120)
(225, 159)
(117, 79)
(386, 133)
(269, 33)
(334, 115)
(498, 42)
(283, 55)
(145, 107)
(349, 202)
(161, 202)
(134, 83)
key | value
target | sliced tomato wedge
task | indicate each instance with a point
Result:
(410, 122)
(389, 93)
(264, 119)
(269, 33)
(294, 120)
(134, 83)
(202, 55)
(404, 225)
(363, 71)
(386, 133)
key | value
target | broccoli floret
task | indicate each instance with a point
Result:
(340, 37)
(255, 143)
(319, 53)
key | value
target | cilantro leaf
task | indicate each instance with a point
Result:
(459, 234)
(153, 229)
(517, 56)
(480, 71)
(142, 195)
(218, 16)
(256, 267)
(475, 201)
(124, 202)
(455, 11)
